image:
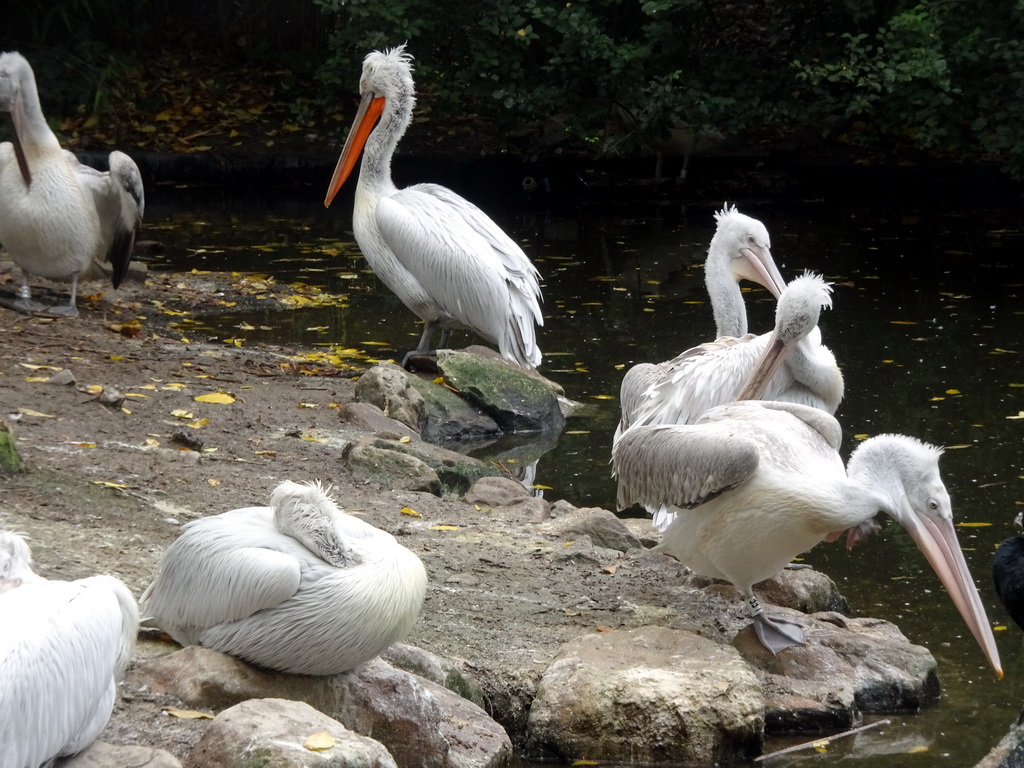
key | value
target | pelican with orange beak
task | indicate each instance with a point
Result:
(441, 255)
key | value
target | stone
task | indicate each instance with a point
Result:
(647, 695)
(387, 386)
(274, 732)
(63, 377)
(848, 667)
(1009, 752)
(100, 754)
(445, 672)
(369, 417)
(455, 471)
(604, 529)
(496, 492)
(391, 469)
(421, 723)
(803, 589)
(516, 400)
(446, 417)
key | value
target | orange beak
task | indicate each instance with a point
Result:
(370, 109)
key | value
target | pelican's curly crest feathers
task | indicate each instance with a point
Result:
(812, 281)
(726, 211)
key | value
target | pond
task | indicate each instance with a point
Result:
(925, 325)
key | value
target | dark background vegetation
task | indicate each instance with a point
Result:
(866, 81)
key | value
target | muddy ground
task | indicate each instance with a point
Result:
(108, 486)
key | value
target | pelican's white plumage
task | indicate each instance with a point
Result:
(58, 216)
(740, 250)
(299, 586)
(756, 483)
(63, 645)
(441, 255)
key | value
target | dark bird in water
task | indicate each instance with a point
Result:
(1008, 573)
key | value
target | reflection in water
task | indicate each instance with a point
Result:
(925, 326)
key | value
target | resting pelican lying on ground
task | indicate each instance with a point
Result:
(63, 645)
(441, 255)
(740, 250)
(56, 215)
(299, 586)
(757, 483)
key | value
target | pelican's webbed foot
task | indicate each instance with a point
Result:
(64, 310)
(778, 634)
(28, 306)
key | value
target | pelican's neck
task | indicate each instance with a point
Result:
(34, 135)
(813, 366)
(375, 169)
(726, 298)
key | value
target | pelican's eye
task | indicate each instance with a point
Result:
(933, 505)
(750, 239)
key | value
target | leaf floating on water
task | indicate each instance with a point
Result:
(821, 745)
(957, 447)
(187, 714)
(973, 525)
(586, 762)
(443, 528)
(603, 397)
(952, 391)
(319, 741)
(222, 398)
(916, 750)
(1020, 415)
(539, 487)
(410, 512)
(903, 322)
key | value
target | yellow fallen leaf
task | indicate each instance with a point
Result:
(266, 453)
(821, 745)
(973, 525)
(307, 405)
(32, 367)
(30, 412)
(312, 439)
(198, 423)
(135, 394)
(108, 484)
(952, 391)
(37, 379)
(83, 445)
(319, 741)
(918, 749)
(94, 389)
(443, 528)
(222, 398)
(174, 385)
(213, 481)
(187, 714)
(603, 397)
(539, 487)
(181, 413)
(152, 443)
(410, 512)
(585, 762)
(404, 439)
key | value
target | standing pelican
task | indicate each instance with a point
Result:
(299, 586)
(63, 645)
(757, 483)
(740, 250)
(441, 255)
(56, 215)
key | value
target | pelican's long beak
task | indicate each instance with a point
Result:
(761, 269)
(937, 540)
(370, 109)
(767, 366)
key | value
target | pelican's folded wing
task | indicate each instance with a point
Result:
(197, 588)
(682, 466)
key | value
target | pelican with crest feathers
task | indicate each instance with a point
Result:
(63, 646)
(680, 390)
(298, 586)
(441, 255)
(754, 484)
(57, 216)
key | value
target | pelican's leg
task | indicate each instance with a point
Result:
(25, 302)
(70, 309)
(446, 339)
(423, 347)
(775, 634)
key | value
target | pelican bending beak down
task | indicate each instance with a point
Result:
(447, 261)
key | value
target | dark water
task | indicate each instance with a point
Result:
(926, 325)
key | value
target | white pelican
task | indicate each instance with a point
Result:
(57, 216)
(757, 483)
(63, 645)
(299, 586)
(441, 255)
(740, 250)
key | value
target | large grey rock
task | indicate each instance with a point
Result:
(274, 732)
(445, 672)
(602, 527)
(848, 667)
(388, 387)
(803, 589)
(421, 723)
(100, 754)
(647, 695)
(516, 400)
(369, 417)
(455, 471)
(1009, 752)
(391, 469)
